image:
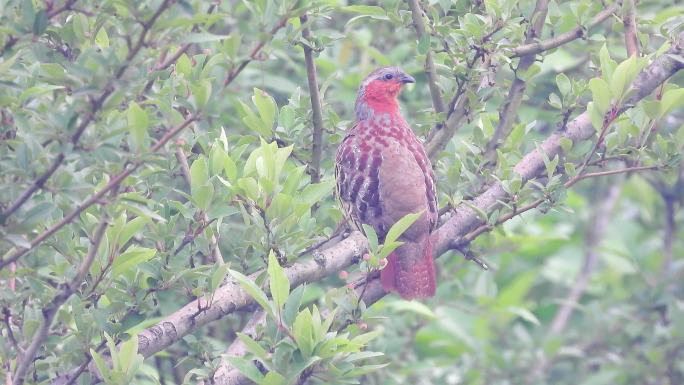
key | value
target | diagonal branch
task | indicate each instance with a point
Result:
(316, 106)
(566, 37)
(509, 110)
(89, 117)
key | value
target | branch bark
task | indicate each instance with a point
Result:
(316, 106)
(509, 110)
(566, 37)
(629, 21)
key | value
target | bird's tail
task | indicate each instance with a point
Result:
(410, 270)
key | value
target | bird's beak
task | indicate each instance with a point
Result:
(404, 78)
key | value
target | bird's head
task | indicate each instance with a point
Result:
(378, 92)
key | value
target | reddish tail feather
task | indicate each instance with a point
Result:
(410, 271)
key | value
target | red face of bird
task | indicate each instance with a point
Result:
(379, 90)
(384, 83)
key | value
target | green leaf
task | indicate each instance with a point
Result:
(40, 22)
(302, 329)
(184, 66)
(401, 226)
(253, 347)
(623, 76)
(563, 83)
(673, 98)
(273, 378)
(254, 291)
(413, 307)
(600, 94)
(245, 367)
(100, 364)
(424, 44)
(203, 196)
(294, 302)
(101, 38)
(37, 91)
(138, 122)
(607, 64)
(266, 106)
(132, 257)
(201, 93)
(278, 281)
(199, 173)
(372, 237)
(217, 277)
(313, 193)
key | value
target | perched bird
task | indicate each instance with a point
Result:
(384, 174)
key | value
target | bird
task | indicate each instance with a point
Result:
(382, 173)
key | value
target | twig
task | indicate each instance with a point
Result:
(629, 21)
(173, 58)
(89, 116)
(576, 33)
(316, 106)
(255, 51)
(185, 170)
(509, 110)
(419, 25)
(94, 198)
(51, 309)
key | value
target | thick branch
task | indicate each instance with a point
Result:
(433, 79)
(566, 37)
(629, 21)
(509, 110)
(51, 309)
(316, 106)
(89, 117)
(231, 297)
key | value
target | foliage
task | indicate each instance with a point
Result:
(186, 128)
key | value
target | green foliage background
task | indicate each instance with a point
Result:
(102, 88)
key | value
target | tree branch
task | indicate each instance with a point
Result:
(89, 117)
(316, 106)
(433, 79)
(629, 21)
(231, 297)
(566, 37)
(51, 309)
(509, 110)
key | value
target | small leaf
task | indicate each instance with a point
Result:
(600, 94)
(202, 37)
(184, 66)
(673, 98)
(266, 106)
(138, 123)
(130, 258)
(253, 290)
(302, 331)
(102, 39)
(246, 367)
(278, 281)
(424, 44)
(253, 347)
(199, 173)
(401, 226)
(563, 84)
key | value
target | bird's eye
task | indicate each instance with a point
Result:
(388, 76)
